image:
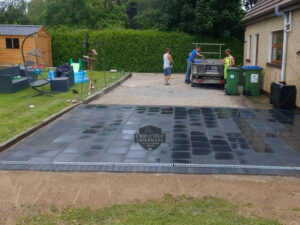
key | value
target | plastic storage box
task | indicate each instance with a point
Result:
(60, 84)
(283, 96)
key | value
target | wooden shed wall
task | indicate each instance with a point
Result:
(14, 56)
(44, 43)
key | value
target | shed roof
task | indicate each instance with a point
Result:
(264, 9)
(19, 30)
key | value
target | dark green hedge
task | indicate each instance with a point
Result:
(131, 50)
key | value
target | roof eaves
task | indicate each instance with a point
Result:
(266, 9)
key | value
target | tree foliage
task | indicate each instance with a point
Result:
(95, 14)
(249, 4)
(155, 25)
(13, 12)
(218, 18)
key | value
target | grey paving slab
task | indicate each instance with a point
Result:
(196, 140)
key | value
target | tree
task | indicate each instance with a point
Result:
(95, 14)
(36, 10)
(131, 11)
(13, 12)
(66, 12)
(219, 18)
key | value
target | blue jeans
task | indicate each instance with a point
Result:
(188, 71)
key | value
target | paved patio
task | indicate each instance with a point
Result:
(197, 140)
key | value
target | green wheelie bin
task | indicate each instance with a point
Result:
(232, 81)
(252, 80)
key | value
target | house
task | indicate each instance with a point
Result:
(272, 41)
(11, 37)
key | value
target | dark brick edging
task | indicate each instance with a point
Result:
(26, 133)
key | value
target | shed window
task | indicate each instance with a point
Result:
(8, 43)
(12, 43)
(16, 43)
(277, 47)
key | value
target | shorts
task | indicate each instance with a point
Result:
(167, 71)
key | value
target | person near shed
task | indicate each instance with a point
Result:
(228, 61)
(168, 61)
(190, 60)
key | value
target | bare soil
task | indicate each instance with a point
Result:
(25, 193)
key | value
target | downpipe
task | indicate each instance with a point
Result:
(286, 18)
(285, 36)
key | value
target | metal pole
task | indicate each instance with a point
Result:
(104, 74)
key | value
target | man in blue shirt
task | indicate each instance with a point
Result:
(190, 60)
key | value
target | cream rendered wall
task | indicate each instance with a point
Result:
(293, 60)
(271, 74)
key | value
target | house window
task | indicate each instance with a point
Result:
(248, 48)
(277, 47)
(12, 43)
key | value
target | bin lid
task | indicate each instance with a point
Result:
(252, 68)
(233, 68)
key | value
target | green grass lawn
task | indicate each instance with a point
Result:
(170, 210)
(16, 116)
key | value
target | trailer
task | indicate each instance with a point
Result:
(208, 71)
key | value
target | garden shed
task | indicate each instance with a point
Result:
(11, 37)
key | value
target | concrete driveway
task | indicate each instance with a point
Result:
(149, 89)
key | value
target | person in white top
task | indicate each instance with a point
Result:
(167, 58)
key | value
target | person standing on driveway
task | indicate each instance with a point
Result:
(168, 60)
(190, 60)
(228, 61)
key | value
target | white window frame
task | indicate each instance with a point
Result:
(248, 56)
(254, 52)
(270, 47)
